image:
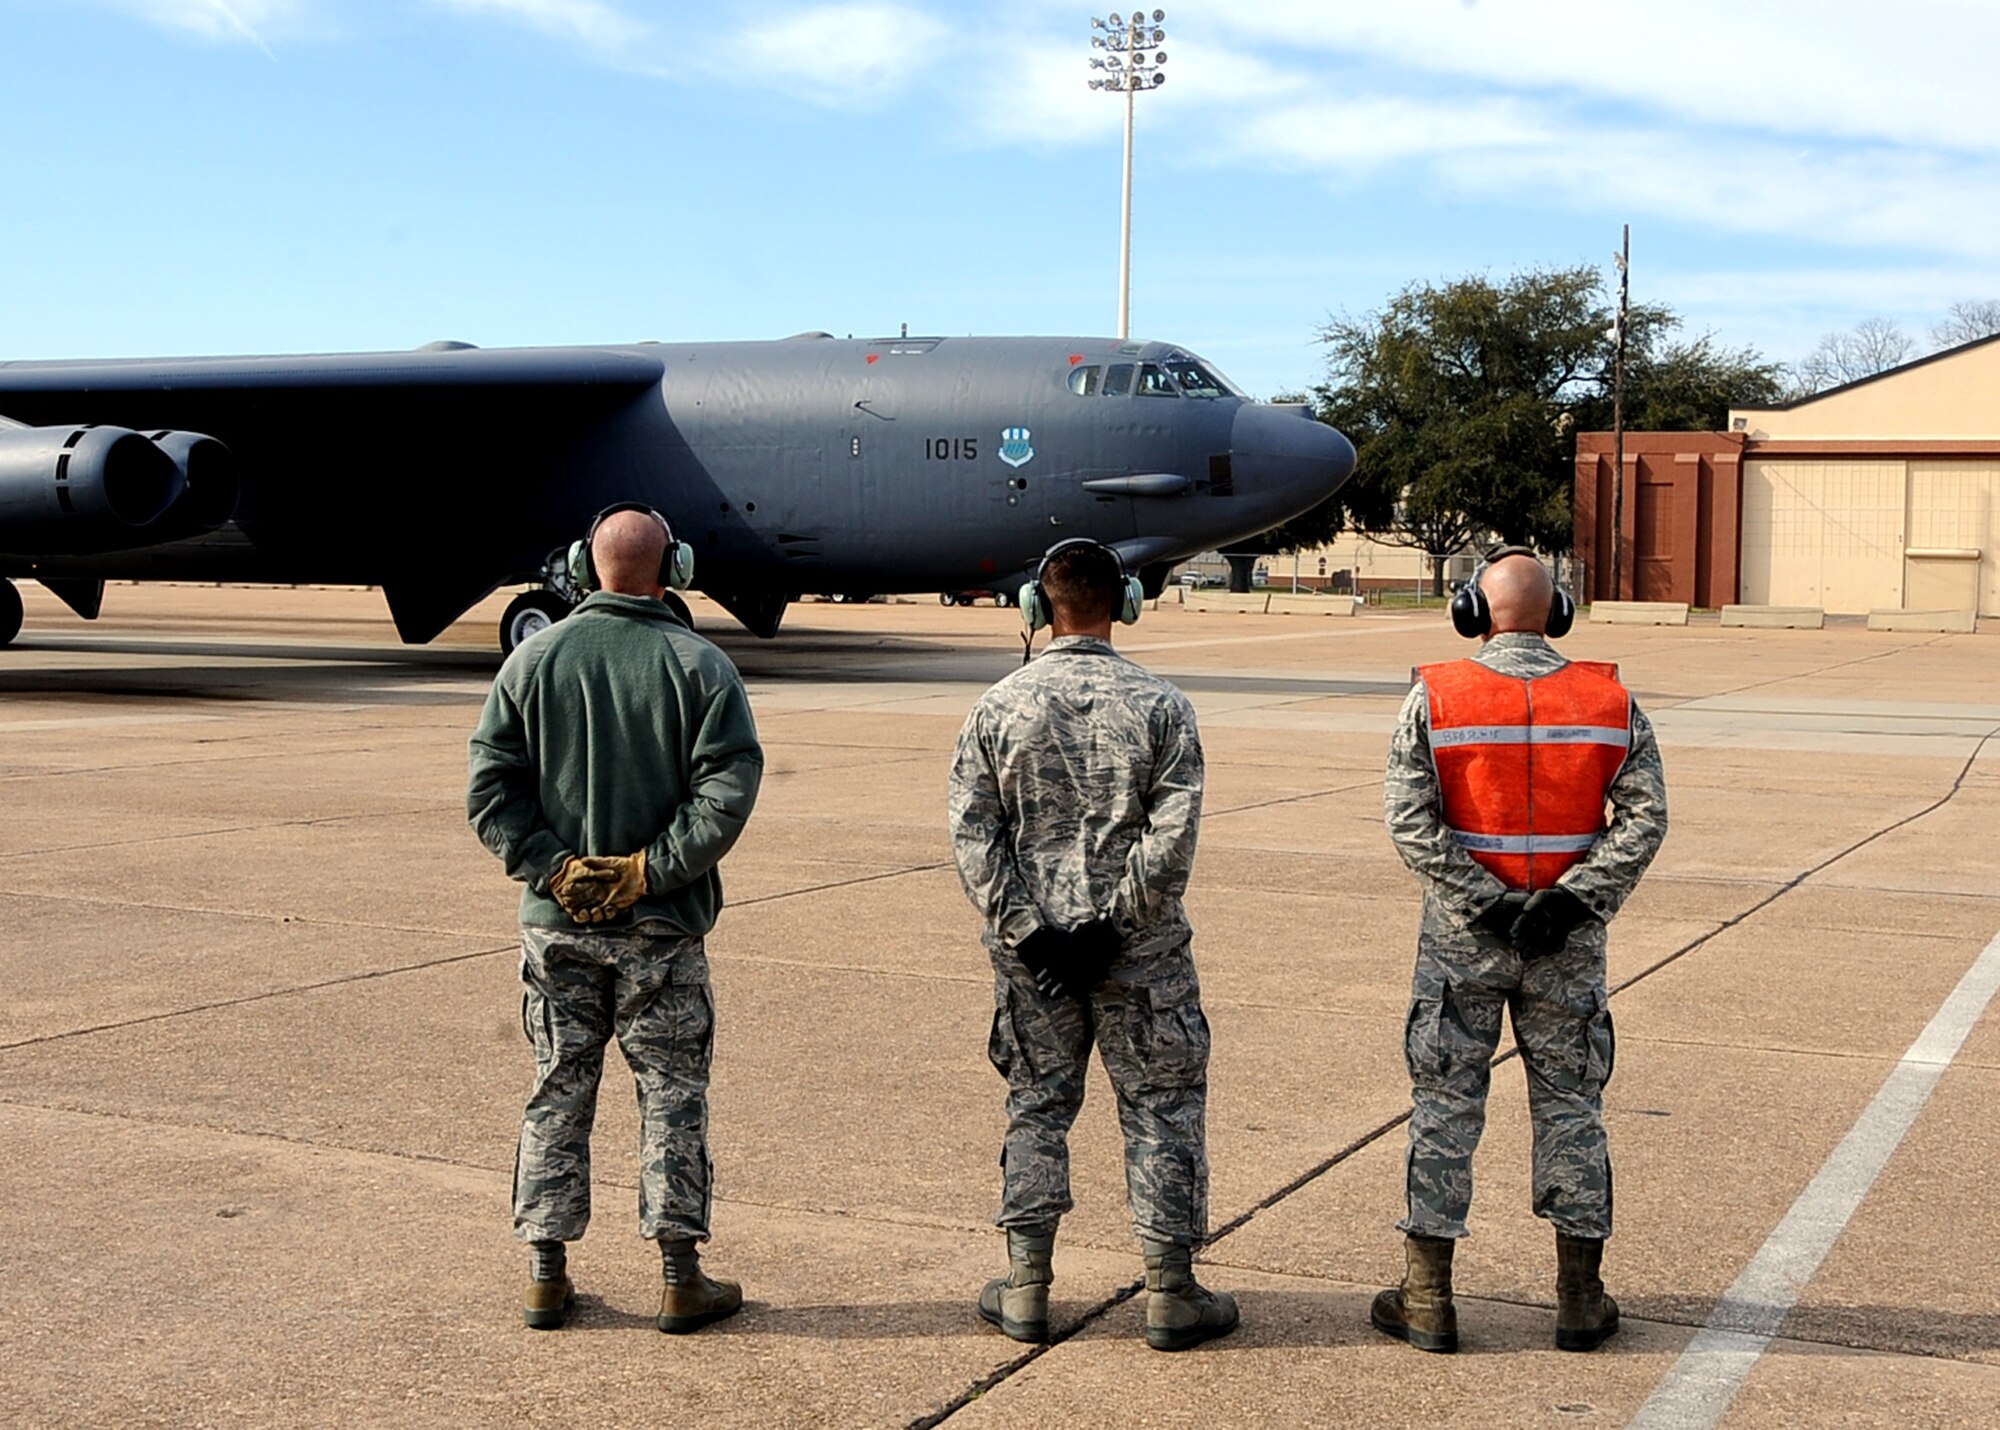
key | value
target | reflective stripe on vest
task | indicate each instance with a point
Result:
(1524, 843)
(1524, 765)
(1531, 735)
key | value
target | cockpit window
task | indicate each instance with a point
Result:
(1118, 379)
(1083, 380)
(1194, 380)
(1154, 382)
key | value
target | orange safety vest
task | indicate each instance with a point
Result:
(1525, 765)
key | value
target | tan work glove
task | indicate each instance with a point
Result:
(581, 888)
(624, 884)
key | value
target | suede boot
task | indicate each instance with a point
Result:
(550, 1294)
(691, 1299)
(1420, 1311)
(1585, 1316)
(1018, 1303)
(1180, 1312)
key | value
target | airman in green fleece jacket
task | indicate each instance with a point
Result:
(614, 766)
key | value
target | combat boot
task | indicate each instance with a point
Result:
(1180, 1311)
(1018, 1303)
(550, 1293)
(1420, 1311)
(692, 1299)
(1585, 1316)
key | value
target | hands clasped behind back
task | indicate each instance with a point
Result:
(594, 888)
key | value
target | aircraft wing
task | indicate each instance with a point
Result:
(436, 474)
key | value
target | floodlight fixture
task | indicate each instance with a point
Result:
(1123, 39)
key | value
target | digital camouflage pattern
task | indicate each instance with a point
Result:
(1465, 975)
(1076, 794)
(1147, 1024)
(648, 986)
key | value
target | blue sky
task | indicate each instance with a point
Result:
(207, 176)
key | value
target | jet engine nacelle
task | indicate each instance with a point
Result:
(82, 490)
(210, 485)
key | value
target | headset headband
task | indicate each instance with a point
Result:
(1036, 610)
(676, 558)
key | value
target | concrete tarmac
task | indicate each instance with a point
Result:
(261, 1060)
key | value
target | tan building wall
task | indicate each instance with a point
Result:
(1883, 493)
(1374, 565)
(1794, 555)
(1947, 397)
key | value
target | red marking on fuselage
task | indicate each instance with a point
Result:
(872, 357)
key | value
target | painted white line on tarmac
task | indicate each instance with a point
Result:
(1698, 1391)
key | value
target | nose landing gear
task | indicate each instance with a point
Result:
(533, 612)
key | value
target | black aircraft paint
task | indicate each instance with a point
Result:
(806, 465)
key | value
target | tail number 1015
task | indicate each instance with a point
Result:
(951, 449)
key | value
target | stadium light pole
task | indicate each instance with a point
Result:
(1131, 62)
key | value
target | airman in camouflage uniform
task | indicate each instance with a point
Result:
(1471, 966)
(1075, 804)
(614, 766)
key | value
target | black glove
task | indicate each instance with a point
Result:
(1545, 925)
(1092, 946)
(1046, 953)
(1498, 917)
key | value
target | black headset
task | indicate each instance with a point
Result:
(676, 562)
(1472, 617)
(1034, 601)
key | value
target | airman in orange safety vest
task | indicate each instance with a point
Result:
(1525, 791)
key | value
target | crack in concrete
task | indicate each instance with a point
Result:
(1125, 1293)
(265, 996)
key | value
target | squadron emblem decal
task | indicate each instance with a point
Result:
(1015, 449)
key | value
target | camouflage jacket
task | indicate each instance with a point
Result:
(1414, 807)
(1075, 795)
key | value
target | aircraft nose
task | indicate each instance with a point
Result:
(1284, 461)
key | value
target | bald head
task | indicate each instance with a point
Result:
(1519, 592)
(627, 552)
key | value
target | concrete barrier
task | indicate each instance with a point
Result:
(1775, 618)
(1639, 613)
(1960, 622)
(1254, 603)
(1284, 603)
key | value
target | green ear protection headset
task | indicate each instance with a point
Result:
(676, 562)
(1034, 602)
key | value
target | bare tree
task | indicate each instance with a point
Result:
(1870, 346)
(1967, 321)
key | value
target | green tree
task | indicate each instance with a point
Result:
(1463, 401)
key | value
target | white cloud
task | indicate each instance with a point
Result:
(1913, 72)
(252, 22)
(1037, 91)
(845, 54)
(593, 24)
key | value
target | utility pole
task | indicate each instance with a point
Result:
(1623, 258)
(1128, 68)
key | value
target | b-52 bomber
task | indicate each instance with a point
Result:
(810, 464)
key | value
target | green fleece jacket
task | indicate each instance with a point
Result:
(615, 730)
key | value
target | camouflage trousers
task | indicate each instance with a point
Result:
(1147, 1025)
(649, 988)
(1562, 1023)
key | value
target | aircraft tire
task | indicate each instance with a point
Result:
(1003, 598)
(527, 614)
(10, 612)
